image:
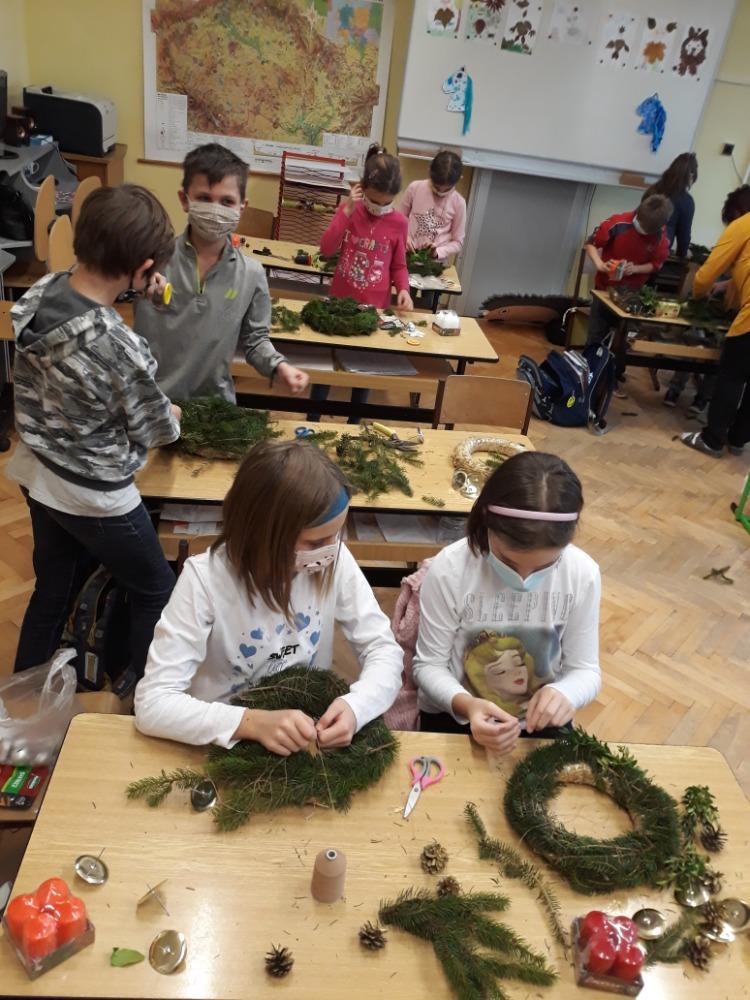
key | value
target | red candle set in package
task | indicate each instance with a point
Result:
(607, 955)
(47, 926)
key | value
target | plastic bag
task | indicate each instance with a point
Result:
(36, 707)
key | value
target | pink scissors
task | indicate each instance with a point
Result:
(420, 768)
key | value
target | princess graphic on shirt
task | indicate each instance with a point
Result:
(499, 668)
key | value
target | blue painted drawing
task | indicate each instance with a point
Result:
(461, 88)
(654, 116)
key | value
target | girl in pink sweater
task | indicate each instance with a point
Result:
(370, 237)
(435, 210)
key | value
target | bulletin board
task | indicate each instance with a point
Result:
(264, 76)
(578, 89)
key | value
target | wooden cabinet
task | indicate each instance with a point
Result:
(109, 169)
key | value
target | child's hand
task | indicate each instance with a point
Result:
(548, 707)
(293, 378)
(176, 412)
(719, 287)
(356, 194)
(403, 300)
(283, 732)
(155, 288)
(410, 246)
(337, 726)
(492, 727)
(630, 268)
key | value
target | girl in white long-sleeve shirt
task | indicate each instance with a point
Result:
(509, 617)
(266, 597)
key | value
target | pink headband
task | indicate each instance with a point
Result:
(532, 515)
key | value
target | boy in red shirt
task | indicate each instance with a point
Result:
(637, 239)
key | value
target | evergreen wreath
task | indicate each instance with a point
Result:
(251, 779)
(639, 857)
(473, 949)
(212, 427)
(422, 262)
(340, 317)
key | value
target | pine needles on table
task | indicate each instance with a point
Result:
(457, 927)
(251, 779)
(370, 464)
(212, 427)
(284, 319)
(340, 317)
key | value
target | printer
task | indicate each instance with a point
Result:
(80, 123)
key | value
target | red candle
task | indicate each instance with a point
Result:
(19, 910)
(71, 921)
(51, 893)
(39, 936)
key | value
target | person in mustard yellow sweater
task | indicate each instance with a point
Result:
(729, 412)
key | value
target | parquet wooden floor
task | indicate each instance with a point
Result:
(675, 647)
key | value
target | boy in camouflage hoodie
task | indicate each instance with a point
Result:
(87, 411)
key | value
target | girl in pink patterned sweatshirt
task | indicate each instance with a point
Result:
(435, 210)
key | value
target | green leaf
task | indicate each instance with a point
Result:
(121, 957)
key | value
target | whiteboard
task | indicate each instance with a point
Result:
(567, 109)
(265, 76)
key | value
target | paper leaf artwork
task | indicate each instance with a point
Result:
(654, 122)
(443, 17)
(692, 52)
(460, 86)
(659, 34)
(522, 26)
(569, 23)
(483, 19)
(618, 40)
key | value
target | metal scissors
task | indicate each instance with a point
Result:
(421, 768)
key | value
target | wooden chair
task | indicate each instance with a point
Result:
(479, 399)
(256, 222)
(60, 256)
(24, 274)
(84, 189)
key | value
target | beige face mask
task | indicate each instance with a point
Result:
(212, 221)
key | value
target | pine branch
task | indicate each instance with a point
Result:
(155, 790)
(673, 943)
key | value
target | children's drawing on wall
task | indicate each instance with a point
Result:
(522, 26)
(483, 20)
(460, 86)
(692, 52)
(569, 23)
(617, 41)
(654, 120)
(659, 35)
(443, 16)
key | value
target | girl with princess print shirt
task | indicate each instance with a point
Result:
(508, 639)
(266, 597)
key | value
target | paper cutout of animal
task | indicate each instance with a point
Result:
(444, 16)
(461, 88)
(692, 52)
(618, 45)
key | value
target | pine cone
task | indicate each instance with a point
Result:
(699, 952)
(713, 881)
(372, 936)
(713, 838)
(279, 961)
(448, 886)
(434, 858)
(712, 915)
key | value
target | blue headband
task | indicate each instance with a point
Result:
(335, 509)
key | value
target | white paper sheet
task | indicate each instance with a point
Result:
(171, 121)
(194, 513)
(409, 527)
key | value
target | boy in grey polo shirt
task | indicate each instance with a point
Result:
(219, 296)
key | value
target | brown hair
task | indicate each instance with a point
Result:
(654, 212)
(382, 171)
(281, 488)
(121, 227)
(446, 168)
(535, 481)
(736, 205)
(677, 178)
(216, 162)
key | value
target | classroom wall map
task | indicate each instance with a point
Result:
(268, 74)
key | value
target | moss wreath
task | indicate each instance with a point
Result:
(590, 865)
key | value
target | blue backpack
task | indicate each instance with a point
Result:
(572, 388)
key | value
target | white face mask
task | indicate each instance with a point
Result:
(212, 221)
(638, 227)
(441, 194)
(315, 560)
(374, 209)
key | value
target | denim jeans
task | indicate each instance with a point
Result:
(67, 549)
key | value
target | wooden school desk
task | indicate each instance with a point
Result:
(282, 259)
(234, 895)
(171, 476)
(654, 353)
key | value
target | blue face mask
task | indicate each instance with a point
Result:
(511, 579)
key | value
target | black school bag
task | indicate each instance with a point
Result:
(572, 388)
(99, 631)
